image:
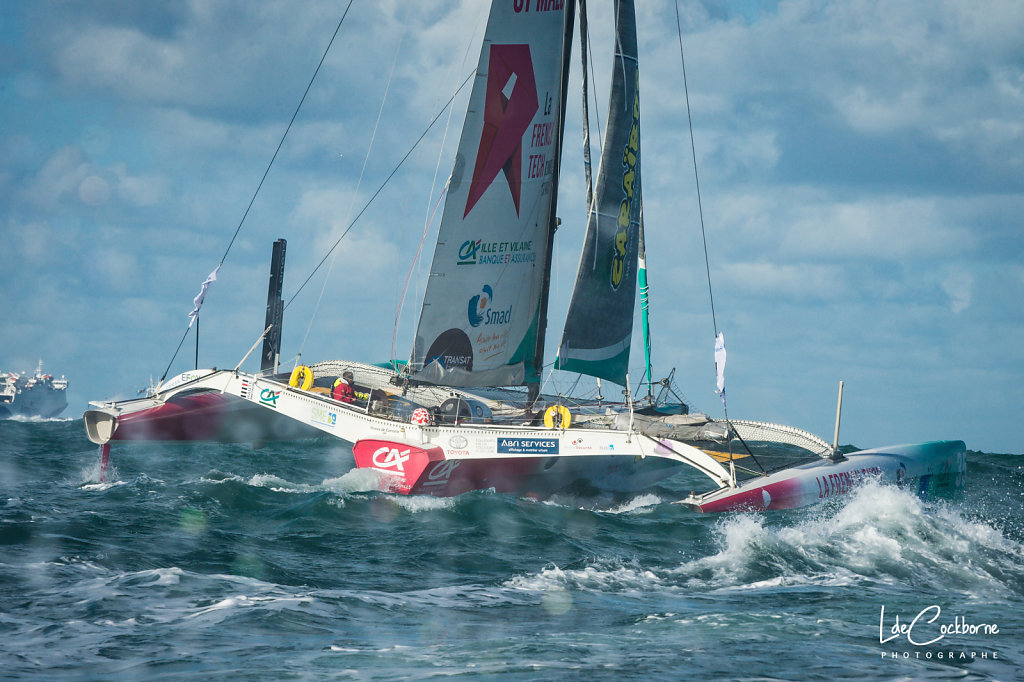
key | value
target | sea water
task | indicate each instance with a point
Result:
(227, 562)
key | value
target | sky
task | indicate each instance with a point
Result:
(861, 172)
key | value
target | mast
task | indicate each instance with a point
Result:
(275, 309)
(534, 387)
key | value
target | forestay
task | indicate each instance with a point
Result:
(481, 310)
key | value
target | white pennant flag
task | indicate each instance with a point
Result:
(198, 300)
(720, 365)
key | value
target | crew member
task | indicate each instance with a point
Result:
(343, 388)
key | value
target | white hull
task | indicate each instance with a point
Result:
(450, 459)
(550, 458)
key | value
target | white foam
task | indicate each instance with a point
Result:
(421, 503)
(89, 476)
(280, 485)
(550, 577)
(106, 485)
(244, 601)
(643, 504)
(355, 481)
(228, 603)
(879, 532)
(33, 419)
(224, 478)
(164, 576)
(603, 576)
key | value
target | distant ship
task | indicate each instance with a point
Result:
(39, 395)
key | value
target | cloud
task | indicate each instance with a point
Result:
(778, 282)
(957, 286)
(28, 244)
(61, 176)
(139, 190)
(860, 166)
(885, 228)
(68, 179)
(364, 254)
(803, 222)
(855, 92)
(94, 190)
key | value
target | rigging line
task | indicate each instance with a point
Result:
(588, 175)
(355, 193)
(379, 190)
(619, 56)
(429, 215)
(279, 144)
(408, 276)
(266, 172)
(164, 375)
(597, 103)
(693, 150)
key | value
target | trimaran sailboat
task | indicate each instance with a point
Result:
(439, 425)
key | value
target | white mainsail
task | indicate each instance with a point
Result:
(482, 309)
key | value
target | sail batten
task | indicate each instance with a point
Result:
(599, 324)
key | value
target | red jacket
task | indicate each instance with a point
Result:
(343, 392)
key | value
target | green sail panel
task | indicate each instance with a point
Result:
(479, 322)
(599, 324)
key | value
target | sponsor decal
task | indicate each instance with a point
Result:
(457, 445)
(478, 252)
(844, 481)
(269, 396)
(467, 252)
(246, 389)
(510, 103)
(538, 5)
(440, 473)
(452, 349)
(491, 344)
(480, 311)
(324, 416)
(630, 175)
(528, 446)
(388, 458)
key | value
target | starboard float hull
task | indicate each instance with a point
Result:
(926, 468)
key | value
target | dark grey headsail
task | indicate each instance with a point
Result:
(599, 325)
